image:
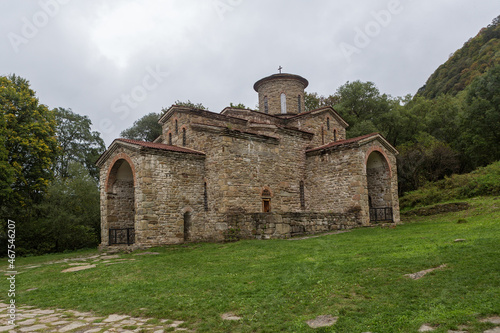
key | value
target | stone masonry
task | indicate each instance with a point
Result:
(272, 173)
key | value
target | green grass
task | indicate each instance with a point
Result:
(277, 285)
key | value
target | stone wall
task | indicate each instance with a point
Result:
(318, 124)
(337, 180)
(286, 225)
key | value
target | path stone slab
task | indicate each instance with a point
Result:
(94, 330)
(426, 328)
(6, 328)
(322, 321)
(418, 275)
(77, 268)
(493, 330)
(493, 320)
(72, 326)
(33, 328)
(114, 256)
(229, 316)
(113, 318)
(44, 312)
(26, 322)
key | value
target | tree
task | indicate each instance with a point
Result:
(28, 135)
(426, 159)
(69, 214)
(481, 119)
(77, 142)
(145, 129)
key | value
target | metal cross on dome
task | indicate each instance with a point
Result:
(280, 68)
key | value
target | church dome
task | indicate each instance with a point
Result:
(281, 94)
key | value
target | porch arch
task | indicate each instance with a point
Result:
(378, 179)
(120, 195)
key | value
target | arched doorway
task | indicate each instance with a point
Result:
(121, 203)
(379, 187)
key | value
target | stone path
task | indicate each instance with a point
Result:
(30, 319)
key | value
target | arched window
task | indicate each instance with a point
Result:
(300, 104)
(176, 127)
(328, 123)
(266, 105)
(184, 137)
(283, 103)
(302, 195)
(169, 138)
(322, 135)
(334, 135)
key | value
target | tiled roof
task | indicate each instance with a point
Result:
(161, 146)
(343, 142)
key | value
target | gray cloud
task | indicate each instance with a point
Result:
(87, 55)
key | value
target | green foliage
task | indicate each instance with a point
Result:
(77, 142)
(190, 104)
(476, 56)
(28, 134)
(237, 106)
(145, 129)
(427, 159)
(231, 234)
(68, 216)
(481, 182)
(278, 285)
(481, 119)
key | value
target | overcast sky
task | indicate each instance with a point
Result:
(116, 61)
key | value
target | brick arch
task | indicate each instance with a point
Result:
(120, 156)
(381, 151)
(265, 190)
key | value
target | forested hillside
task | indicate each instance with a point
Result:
(475, 58)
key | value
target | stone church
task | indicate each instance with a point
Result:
(273, 173)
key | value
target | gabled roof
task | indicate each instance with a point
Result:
(320, 110)
(360, 140)
(143, 144)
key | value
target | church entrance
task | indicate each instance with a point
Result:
(121, 204)
(379, 187)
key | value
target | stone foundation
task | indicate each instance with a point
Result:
(286, 225)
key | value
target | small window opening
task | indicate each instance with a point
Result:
(283, 103)
(205, 197)
(334, 135)
(184, 137)
(266, 201)
(176, 127)
(322, 135)
(266, 105)
(299, 104)
(328, 124)
(302, 196)
(266, 205)
(170, 138)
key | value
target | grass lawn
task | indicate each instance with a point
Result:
(277, 285)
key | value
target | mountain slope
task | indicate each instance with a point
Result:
(476, 56)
